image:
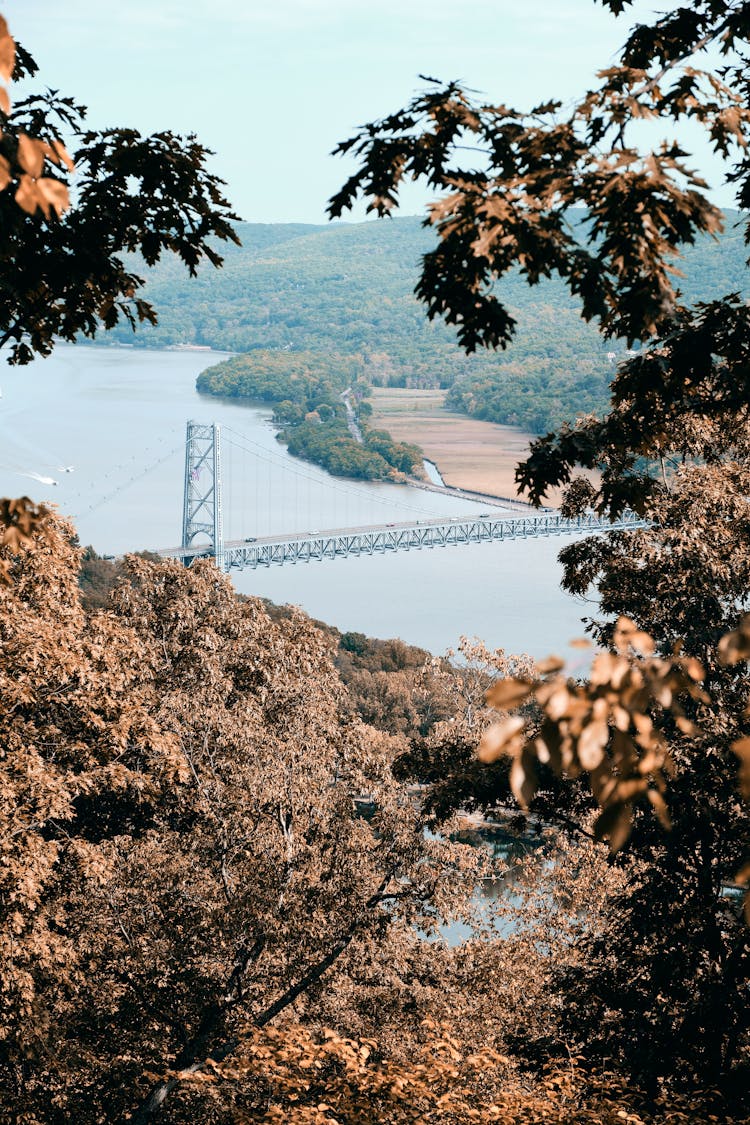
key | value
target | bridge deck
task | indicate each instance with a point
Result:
(312, 546)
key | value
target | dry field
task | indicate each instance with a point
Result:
(480, 456)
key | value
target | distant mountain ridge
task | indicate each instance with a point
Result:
(348, 289)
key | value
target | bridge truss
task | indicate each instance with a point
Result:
(381, 540)
(317, 546)
(202, 515)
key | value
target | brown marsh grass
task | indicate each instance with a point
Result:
(480, 456)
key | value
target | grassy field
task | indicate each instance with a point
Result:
(480, 456)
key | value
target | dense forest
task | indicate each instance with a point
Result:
(394, 686)
(345, 293)
(226, 857)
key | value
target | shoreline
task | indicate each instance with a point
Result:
(475, 459)
(513, 502)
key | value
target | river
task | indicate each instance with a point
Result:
(116, 416)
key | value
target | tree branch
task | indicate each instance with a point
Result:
(148, 1109)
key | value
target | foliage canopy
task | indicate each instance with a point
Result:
(663, 717)
(63, 270)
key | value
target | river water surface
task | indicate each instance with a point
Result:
(117, 416)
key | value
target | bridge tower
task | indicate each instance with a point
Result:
(201, 511)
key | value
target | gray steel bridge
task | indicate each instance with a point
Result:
(202, 515)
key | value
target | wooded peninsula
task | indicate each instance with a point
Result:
(314, 310)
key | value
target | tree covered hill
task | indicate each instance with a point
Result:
(347, 289)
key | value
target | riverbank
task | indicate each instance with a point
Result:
(125, 411)
(473, 456)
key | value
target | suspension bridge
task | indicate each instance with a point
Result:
(203, 523)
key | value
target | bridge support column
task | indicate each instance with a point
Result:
(201, 510)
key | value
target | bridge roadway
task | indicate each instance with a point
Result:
(309, 546)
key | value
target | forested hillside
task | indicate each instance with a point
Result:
(347, 289)
(190, 872)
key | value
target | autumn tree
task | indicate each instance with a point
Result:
(183, 854)
(193, 911)
(196, 922)
(570, 192)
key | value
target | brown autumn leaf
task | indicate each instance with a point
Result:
(556, 700)
(742, 749)
(694, 669)
(498, 738)
(31, 153)
(57, 152)
(508, 693)
(27, 196)
(591, 744)
(45, 194)
(613, 824)
(735, 646)
(627, 633)
(642, 643)
(523, 777)
(607, 668)
(7, 52)
(660, 808)
(53, 196)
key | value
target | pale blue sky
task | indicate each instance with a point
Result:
(272, 85)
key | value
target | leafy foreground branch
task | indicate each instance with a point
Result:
(326, 1079)
(151, 195)
(602, 727)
